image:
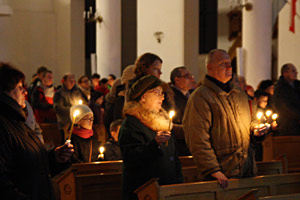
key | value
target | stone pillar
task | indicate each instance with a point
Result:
(257, 41)
(108, 37)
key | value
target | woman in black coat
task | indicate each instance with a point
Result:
(147, 147)
(25, 164)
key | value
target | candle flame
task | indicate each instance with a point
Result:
(80, 102)
(274, 116)
(268, 113)
(76, 113)
(171, 114)
(101, 149)
(259, 115)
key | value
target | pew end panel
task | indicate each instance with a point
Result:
(64, 185)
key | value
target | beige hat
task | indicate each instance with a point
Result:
(83, 111)
(128, 74)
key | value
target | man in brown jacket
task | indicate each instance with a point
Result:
(217, 123)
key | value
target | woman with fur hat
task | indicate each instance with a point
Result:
(146, 143)
(85, 145)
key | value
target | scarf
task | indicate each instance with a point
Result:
(82, 132)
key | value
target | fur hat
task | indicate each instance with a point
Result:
(141, 86)
(83, 111)
(128, 74)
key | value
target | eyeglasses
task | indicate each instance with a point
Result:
(88, 119)
(22, 89)
(187, 76)
(158, 93)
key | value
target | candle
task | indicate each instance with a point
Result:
(268, 113)
(274, 117)
(171, 115)
(101, 150)
(80, 102)
(76, 113)
(259, 115)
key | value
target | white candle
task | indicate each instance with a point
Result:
(76, 113)
(259, 115)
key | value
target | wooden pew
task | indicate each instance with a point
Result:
(275, 146)
(51, 134)
(269, 185)
(89, 178)
(282, 197)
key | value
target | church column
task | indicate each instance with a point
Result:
(256, 40)
(108, 37)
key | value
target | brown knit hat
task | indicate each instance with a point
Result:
(141, 86)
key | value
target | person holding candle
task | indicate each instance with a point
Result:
(25, 164)
(286, 101)
(82, 137)
(143, 136)
(217, 124)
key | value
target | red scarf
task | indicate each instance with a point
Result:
(82, 132)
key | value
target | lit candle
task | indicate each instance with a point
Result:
(259, 115)
(101, 150)
(171, 115)
(84, 14)
(80, 102)
(75, 114)
(274, 117)
(268, 113)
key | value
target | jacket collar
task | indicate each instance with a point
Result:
(219, 90)
(155, 121)
(11, 108)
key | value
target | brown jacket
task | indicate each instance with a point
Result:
(217, 131)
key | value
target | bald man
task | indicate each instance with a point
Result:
(286, 100)
(217, 124)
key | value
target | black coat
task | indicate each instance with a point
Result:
(82, 149)
(144, 159)
(24, 162)
(112, 150)
(286, 100)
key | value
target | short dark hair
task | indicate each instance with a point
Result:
(112, 76)
(41, 69)
(82, 77)
(103, 81)
(260, 93)
(115, 124)
(143, 62)
(96, 75)
(45, 72)
(9, 77)
(285, 68)
(264, 84)
(176, 73)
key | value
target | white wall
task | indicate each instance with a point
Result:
(108, 48)
(166, 16)
(288, 42)
(39, 33)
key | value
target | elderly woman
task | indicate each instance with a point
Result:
(24, 161)
(85, 144)
(147, 147)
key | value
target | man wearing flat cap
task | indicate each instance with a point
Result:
(147, 147)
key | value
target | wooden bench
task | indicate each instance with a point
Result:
(88, 178)
(269, 185)
(51, 134)
(282, 197)
(275, 146)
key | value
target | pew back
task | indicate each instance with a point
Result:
(267, 185)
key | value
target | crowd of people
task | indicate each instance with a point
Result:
(214, 122)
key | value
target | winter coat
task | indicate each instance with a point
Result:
(217, 130)
(286, 101)
(112, 150)
(143, 158)
(63, 100)
(24, 162)
(43, 108)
